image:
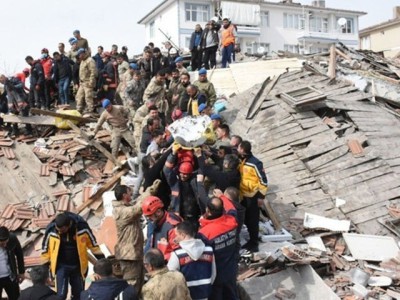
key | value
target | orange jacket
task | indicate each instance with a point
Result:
(47, 67)
(228, 36)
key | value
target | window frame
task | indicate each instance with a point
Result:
(193, 11)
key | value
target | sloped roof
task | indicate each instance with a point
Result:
(309, 163)
(379, 26)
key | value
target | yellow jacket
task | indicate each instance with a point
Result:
(84, 240)
(253, 179)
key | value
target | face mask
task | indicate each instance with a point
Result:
(44, 55)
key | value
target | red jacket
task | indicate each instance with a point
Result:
(47, 67)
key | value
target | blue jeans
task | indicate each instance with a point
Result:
(63, 90)
(71, 274)
(227, 54)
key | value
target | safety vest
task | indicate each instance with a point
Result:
(227, 36)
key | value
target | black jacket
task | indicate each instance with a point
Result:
(39, 292)
(15, 256)
(37, 74)
(222, 179)
(109, 289)
(62, 69)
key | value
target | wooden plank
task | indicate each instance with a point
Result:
(350, 106)
(312, 151)
(265, 89)
(326, 158)
(369, 213)
(33, 120)
(94, 143)
(37, 111)
(96, 196)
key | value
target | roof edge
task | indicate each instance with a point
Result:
(379, 26)
(159, 6)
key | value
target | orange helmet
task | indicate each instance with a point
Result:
(186, 168)
(26, 71)
(151, 204)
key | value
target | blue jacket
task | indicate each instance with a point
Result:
(195, 40)
(109, 289)
(99, 62)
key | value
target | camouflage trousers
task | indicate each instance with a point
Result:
(133, 273)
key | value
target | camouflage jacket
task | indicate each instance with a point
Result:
(87, 72)
(207, 88)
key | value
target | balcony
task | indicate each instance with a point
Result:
(245, 30)
(327, 37)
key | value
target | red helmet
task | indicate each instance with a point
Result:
(186, 168)
(151, 204)
(106, 54)
(45, 50)
(26, 70)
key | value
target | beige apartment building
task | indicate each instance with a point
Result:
(383, 37)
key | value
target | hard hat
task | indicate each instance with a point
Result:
(151, 204)
(45, 50)
(72, 41)
(106, 54)
(173, 51)
(186, 168)
(80, 51)
(26, 70)
(106, 103)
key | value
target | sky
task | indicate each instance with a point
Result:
(28, 26)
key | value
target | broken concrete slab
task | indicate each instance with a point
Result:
(303, 281)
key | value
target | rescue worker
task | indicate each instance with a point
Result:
(195, 47)
(194, 260)
(155, 92)
(65, 245)
(161, 228)
(146, 66)
(12, 268)
(163, 284)
(81, 42)
(17, 101)
(62, 71)
(179, 173)
(129, 246)
(206, 87)
(181, 97)
(196, 99)
(179, 65)
(47, 63)
(124, 53)
(219, 230)
(36, 93)
(123, 82)
(87, 82)
(227, 43)
(73, 52)
(134, 91)
(209, 44)
(123, 65)
(140, 114)
(22, 77)
(253, 188)
(106, 286)
(160, 62)
(223, 136)
(108, 79)
(117, 116)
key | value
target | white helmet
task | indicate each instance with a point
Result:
(173, 51)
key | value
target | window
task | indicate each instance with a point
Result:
(319, 24)
(348, 27)
(196, 12)
(187, 41)
(264, 18)
(291, 48)
(151, 28)
(253, 47)
(293, 21)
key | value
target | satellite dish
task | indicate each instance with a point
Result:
(261, 50)
(341, 22)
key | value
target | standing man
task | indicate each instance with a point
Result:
(228, 37)
(62, 76)
(123, 65)
(97, 58)
(61, 49)
(12, 268)
(117, 116)
(47, 63)
(82, 42)
(36, 93)
(87, 82)
(163, 284)
(195, 47)
(219, 230)
(65, 245)
(124, 53)
(194, 260)
(253, 188)
(209, 44)
(109, 77)
(206, 87)
(129, 246)
(155, 92)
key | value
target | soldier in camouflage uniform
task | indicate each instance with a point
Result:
(129, 247)
(163, 284)
(140, 114)
(87, 82)
(156, 92)
(206, 87)
(134, 93)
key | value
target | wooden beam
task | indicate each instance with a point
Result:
(342, 54)
(272, 215)
(94, 143)
(37, 111)
(332, 63)
(96, 196)
(33, 120)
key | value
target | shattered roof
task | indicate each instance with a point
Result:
(342, 146)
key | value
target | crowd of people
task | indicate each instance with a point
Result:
(194, 201)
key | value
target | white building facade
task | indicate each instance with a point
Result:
(274, 26)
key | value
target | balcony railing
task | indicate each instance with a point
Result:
(248, 30)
